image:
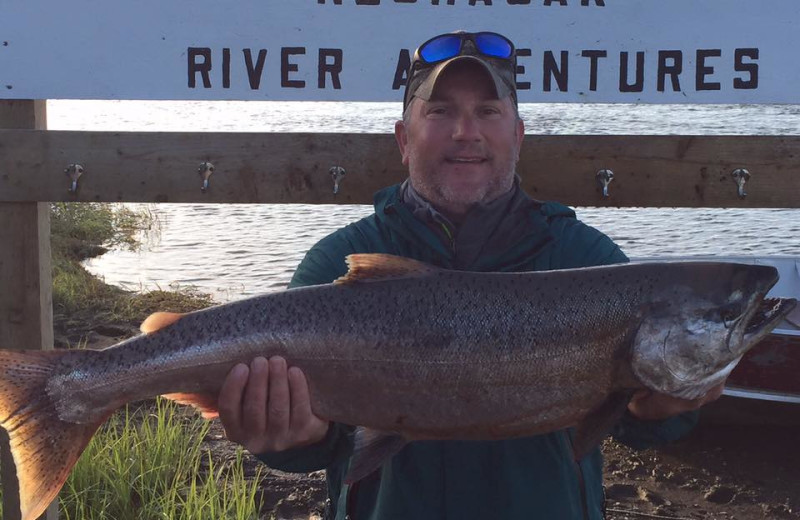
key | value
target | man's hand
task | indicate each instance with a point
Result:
(266, 407)
(652, 406)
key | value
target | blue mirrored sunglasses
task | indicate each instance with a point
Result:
(446, 46)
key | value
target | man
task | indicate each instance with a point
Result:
(461, 208)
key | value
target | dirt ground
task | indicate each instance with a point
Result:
(741, 462)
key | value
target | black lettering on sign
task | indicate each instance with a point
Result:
(559, 72)
(751, 68)
(364, 2)
(522, 85)
(673, 70)
(594, 56)
(334, 69)
(624, 86)
(703, 70)
(287, 67)
(254, 72)
(584, 3)
(226, 68)
(401, 72)
(203, 68)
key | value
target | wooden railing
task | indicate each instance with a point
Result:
(655, 171)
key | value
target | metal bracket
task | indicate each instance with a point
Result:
(205, 170)
(740, 177)
(73, 171)
(337, 173)
(604, 178)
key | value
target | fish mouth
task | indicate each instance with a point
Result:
(769, 313)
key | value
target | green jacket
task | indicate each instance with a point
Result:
(528, 478)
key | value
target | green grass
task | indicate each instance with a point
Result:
(147, 464)
(83, 230)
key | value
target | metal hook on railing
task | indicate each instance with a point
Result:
(205, 170)
(73, 171)
(740, 177)
(337, 173)
(604, 178)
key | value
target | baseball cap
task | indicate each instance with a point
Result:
(493, 51)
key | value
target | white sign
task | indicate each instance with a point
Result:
(628, 51)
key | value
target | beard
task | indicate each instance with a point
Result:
(455, 199)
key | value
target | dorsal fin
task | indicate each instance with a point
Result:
(366, 267)
(159, 320)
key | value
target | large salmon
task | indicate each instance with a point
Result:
(411, 351)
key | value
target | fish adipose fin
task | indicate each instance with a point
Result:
(205, 403)
(372, 267)
(159, 320)
(370, 451)
(595, 426)
(44, 447)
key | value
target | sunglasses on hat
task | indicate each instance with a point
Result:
(446, 46)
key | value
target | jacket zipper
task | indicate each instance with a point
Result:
(581, 481)
(450, 237)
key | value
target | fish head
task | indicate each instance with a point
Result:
(700, 320)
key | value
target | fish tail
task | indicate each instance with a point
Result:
(44, 447)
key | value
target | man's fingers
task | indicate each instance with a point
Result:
(653, 406)
(278, 407)
(301, 401)
(298, 386)
(254, 405)
(230, 401)
(306, 428)
(266, 407)
(713, 394)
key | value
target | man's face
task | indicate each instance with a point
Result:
(462, 146)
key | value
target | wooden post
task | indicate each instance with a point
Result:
(26, 302)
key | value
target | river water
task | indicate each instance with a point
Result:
(236, 250)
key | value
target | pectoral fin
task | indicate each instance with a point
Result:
(206, 404)
(371, 450)
(159, 320)
(591, 430)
